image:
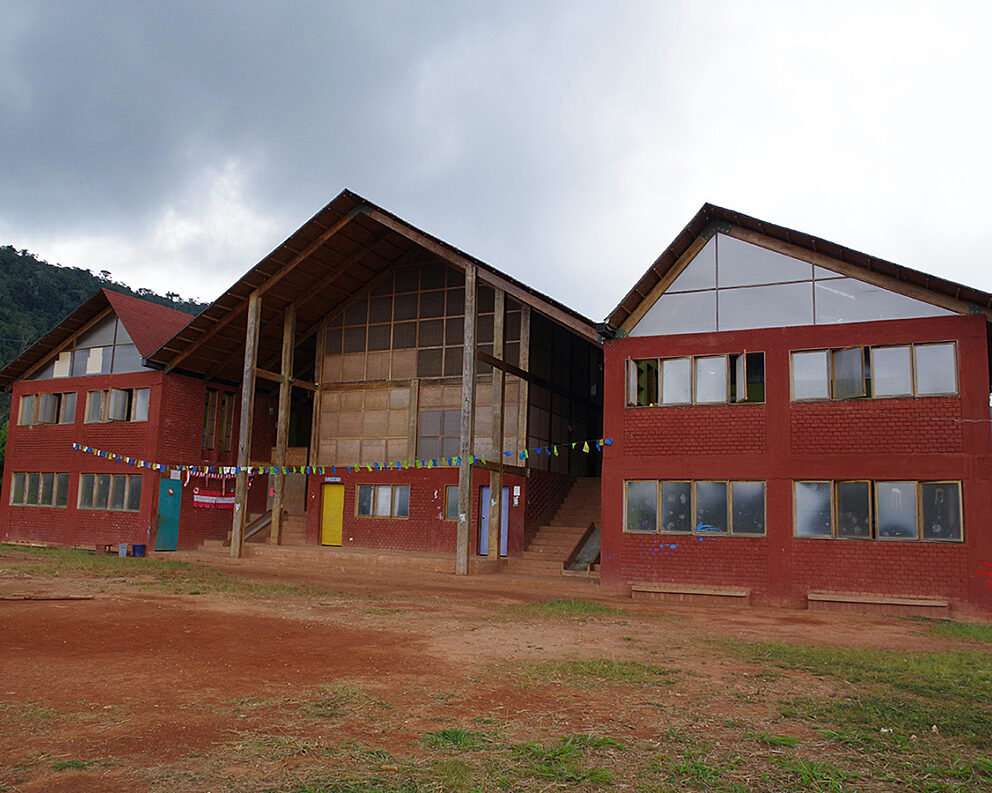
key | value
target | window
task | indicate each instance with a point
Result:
(114, 492)
(451, 502)
(904, 510)
(892, 371)
(439, 433)
(39, 489)
(210, 419)
(47, 409)
(105, 348)
(117, 404)
(700, 507)
(384, 501)
(702, 380)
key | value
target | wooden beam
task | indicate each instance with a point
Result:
(862, 274)
(467, 425)
(98, 318)
(523, 397)
(413, 418)
(259, 291)
(244, 429)
(282, 421)
(504, 366)
(265, 374)
(637, 314)
(490, 465)
(496, 505)
(318, 375)
(496, 280)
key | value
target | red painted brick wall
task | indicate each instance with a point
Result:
(425, 530)
(781, 441)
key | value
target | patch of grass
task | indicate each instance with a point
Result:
(365, 786)
(563, 761)
(28, 711)
(601, 670)
(822, 777)
(274, 747)
(455, 738)
(969, 631)
(80, 765)
(568, 608)
(774, 740)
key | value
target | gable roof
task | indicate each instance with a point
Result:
(711, 218)
(148, 324)
(333, 256)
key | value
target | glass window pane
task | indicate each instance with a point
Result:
(748, 307)
(139, 411)
(62, 490)
(711, 379)
(86, 491)
(383, 499)
(853, 509)
(127, 358)
(451, 503)
(812, 504)
(642, 506)
(94, 406)
(451, 423)
(748, 500)
(891, 371)
(117, 409)
(700, 273)
(691, 312)
(68, 414)
(100, 335)
(936, 368)
(102, 491)
(810, 375)
(743, 264)
(401, 501)
(849, 373)
(34, 485)
(850, 300)
(17, 489)
(941, 510)
(365, 499)
(646, 382)
(896, 506)
(676, 506)
(25, 414)
(676, 381)
(48, 408)
(47, 489)
(711, 507)
(79, 358)
(134, 493)
(117, 491)
(450, 447)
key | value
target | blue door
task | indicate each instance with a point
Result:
(169, 495)
(504, 524)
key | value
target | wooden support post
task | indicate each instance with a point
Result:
(496, 505)
(244, 428)
(523, 398)
(282, 421)
(467, 426)
(313, 453)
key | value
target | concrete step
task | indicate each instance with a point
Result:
(532, 567)
(555, 556)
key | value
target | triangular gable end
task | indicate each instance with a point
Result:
(732, 284)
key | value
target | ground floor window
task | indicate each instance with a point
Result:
(451, 502)
(384, 501)
(39, 489)
(894, 510)
(114, 492)
(695, 507)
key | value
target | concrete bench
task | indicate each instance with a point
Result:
(880, 604)
(682, 593)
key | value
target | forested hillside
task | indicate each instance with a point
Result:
(36, 295)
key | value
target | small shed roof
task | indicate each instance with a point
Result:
(148, 324)
(333, 256)
(709, 215)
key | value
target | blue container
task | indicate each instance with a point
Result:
(137, 550)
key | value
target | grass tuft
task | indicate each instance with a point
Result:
(587, 673)
(455, 738)
(568, 608)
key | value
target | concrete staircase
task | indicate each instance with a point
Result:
(554, 542)
(294, 528)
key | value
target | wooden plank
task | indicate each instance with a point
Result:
(466, 425)
(525, 296)
(259, 291)
(523, 397)
(679, 589)
(318, 374)
(367, 385)
(854, 271)
(244, 428)
(282, 421)
(637, 314)
(56, 350)
(265, 374)
(412, 424)
(496, 505)
(490, 465)
(837, 597)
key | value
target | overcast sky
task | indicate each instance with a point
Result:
(566, 143)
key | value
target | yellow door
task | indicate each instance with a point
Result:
(332, 515)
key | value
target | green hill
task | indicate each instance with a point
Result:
(35, 296)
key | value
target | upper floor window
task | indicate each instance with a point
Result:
(218, 419)
(697, 380)
(47, 409)
(882, 371)
(106, 348)
(117, 404)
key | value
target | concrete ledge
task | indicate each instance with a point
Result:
(680, 593)
(876, 604)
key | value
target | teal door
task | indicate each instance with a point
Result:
(169, 495)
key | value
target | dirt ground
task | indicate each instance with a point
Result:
(142, 689)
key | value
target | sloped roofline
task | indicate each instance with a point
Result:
(149, 325)
(711, 218)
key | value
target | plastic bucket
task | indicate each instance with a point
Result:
(122, 549)
(137, 550)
